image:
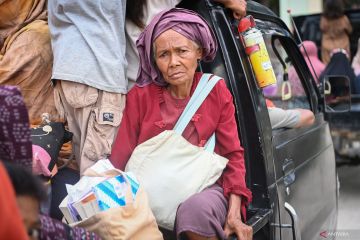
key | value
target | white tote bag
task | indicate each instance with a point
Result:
(170, 168)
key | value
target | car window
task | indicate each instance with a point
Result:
(289, 92)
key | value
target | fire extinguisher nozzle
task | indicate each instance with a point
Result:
(244, 25)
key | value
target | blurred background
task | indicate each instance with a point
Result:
(302, 7)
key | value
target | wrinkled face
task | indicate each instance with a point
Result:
(29, 210)
(176, 57)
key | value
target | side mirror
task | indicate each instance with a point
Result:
(337, 94)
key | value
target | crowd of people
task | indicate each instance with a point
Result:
(336, 57)
(118, 74)
(78, 61)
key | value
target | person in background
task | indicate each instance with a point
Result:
(169, 49)
(290, 118)
(11, 226)
(29, 194)
(16, 148)
(340, 65)
(88, 42)
(139, 13)
(26, 56)
(356, 61)
(314, 64)
(335, 27)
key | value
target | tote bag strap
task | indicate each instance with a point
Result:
(199, 88)
(210, 144)
(195, 102)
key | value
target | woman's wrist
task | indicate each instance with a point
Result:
(234, 206)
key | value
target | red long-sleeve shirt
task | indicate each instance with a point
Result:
(11, 224)
(143, 119)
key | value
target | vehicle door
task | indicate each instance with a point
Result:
(304, 157)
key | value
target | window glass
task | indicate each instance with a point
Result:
(289, 92)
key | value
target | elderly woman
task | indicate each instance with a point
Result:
(170, 48)
(139, 13)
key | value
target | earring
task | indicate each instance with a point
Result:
(199, 65)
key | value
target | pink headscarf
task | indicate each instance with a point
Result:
(311, 49)
(312, 52)
(187, 23)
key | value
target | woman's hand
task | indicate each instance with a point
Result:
(234, 223)
(238, 7)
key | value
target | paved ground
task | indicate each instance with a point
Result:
(349, 204)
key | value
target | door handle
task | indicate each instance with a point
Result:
(259, 219)
(295, 224)
(289, 172)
